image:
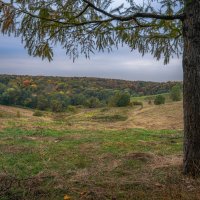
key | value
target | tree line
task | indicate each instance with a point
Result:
(58, 93)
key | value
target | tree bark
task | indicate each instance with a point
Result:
(191, 87)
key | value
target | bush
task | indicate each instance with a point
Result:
(56, 106)
(93, 102)
(38, 113)
(120, 99)
(71, 108)
(160, 99)
(58, 102)
(78, 99)
(124, 100)
(175, 93)
(42, 102)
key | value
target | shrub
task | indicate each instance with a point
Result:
(11, 96)
(71, 108)
(160, 99)
(78, 99)
(120, 99)
(124, 100)
(175, 93)
(38, 113)
(30, 102)
(58, 101)
(42, 102)
(2, 88)
(56, 106)
(93, 102)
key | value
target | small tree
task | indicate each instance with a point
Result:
(160, 99)
(2, 88)
(58, 101)
(123, 99)
(120, 99)
(175, 93)
(93, 102)
(11, 96)
(42, 102)
(78, 99)
(56, 106)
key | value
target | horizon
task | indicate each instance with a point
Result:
(91, 77)
(119, 64)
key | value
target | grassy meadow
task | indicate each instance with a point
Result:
(130, 153)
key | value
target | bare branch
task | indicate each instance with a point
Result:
(153, 16)
(82, 12)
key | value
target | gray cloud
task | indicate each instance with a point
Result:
(121, 64)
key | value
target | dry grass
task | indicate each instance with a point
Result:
(13, 110)
(65, 154)
(168, 116)
(160, 178)
(90, 165)
(166, 161)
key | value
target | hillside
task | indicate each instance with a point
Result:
(71, 84)
(168, 116)
(58, 93)
(85, 153)
(94, 153)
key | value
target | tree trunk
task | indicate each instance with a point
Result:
(191, 87)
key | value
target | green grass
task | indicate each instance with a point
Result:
(74, 161)
(92, 154)
(146, 98)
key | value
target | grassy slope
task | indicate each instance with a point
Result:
(145, 98)
(100, 164)
(89, 157)
(168, 116)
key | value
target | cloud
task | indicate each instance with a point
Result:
(121, 64)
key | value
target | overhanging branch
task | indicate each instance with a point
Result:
(109, 17)
(153, 16)
(136, 15)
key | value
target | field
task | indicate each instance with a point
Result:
(105, 153)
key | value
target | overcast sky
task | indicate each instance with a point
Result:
(120, 64)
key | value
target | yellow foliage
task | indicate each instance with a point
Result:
(66, 197)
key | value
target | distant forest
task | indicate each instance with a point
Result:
(59, 93)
